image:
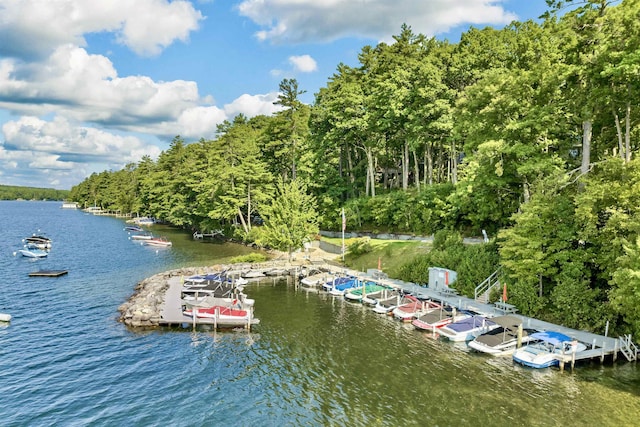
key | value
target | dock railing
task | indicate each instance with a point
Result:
(628, 348)
(493, 281)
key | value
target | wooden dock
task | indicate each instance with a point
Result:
(48, 273)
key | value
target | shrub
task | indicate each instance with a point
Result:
(360, 246)
(251, 258)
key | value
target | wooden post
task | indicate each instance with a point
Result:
(606, 329)
(519, 336)
(215, 318)
(615, 351)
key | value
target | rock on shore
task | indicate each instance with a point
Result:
(144, 307)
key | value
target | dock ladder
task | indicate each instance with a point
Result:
(482, 291)
(628, 348)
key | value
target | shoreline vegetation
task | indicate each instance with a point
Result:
(529, 133)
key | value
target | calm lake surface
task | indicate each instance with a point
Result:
(312, 361)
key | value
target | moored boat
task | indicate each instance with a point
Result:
(33, 253)
(502, 341)
(467, 329)
(438, 318)
(386, 305)
(546, 349)
(141, 236)
(157, 241)
(409, 311)
(331, 281)
(314, 280)
(341, 289)
(369, 288)
(38, 241)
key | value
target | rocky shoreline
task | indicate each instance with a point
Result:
(143, 309)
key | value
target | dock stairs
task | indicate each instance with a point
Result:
(628, 348)
(483, 290)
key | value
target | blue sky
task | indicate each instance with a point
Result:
(90, 86)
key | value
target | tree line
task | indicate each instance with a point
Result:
(527, 132)
(12, 192)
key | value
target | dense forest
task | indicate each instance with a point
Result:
(10, 192)
(528, 132)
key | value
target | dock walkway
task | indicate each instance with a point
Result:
(598, 346)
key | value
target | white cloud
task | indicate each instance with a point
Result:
(299, 21)
(303, 63)
(31, 28)
(85, 87)
(253, 105)
(62, 142)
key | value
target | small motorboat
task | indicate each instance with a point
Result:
(38, 242)
(546, 349)
(33, 253)
(157, 241)
(438, 318)
(5, 317)
(133, 228)
(467, 329)
(414, 309)
(502, 341)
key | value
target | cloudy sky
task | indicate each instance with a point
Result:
(87, 86)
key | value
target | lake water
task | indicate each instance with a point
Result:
(312, 361)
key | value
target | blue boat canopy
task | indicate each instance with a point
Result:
(553, 337)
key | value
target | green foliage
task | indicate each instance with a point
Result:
(424, 136)
(360, 246)
(10, 192)
(291, 219)
(249, 258)
(473, 263)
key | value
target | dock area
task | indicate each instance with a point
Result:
(48, 273)
(171, 313)
(598, 346)
(170, 309)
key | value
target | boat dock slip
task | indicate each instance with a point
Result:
(48, 273)
(598, 346)
(172, 315)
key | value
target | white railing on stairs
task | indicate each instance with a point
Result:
(487, 284)
(628, 348)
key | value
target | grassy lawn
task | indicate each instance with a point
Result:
(392, 254)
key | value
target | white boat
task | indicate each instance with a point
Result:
(144, 221)
(38, 241)
(343, 288)
(157, 241)
(502, 341)
(314, 280)
(142, 236)
(252, 274)
(546, 349)
(5, 317)
(387, 304)
(438, 318)
(467, 329)
(411, 310)
(369, 289)
(33, 253)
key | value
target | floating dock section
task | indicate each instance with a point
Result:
(48, 273)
